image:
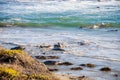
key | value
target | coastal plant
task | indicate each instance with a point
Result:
(38, 77)
(8, 73)
(10, 56)
(10, 52)
(17, 65)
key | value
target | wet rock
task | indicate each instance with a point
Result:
(79, 78)
(64, 63)
(41, 57)
(116, 75)
(43, 53)
(97, 7)
(49, 46)
(105, 69)
(52, 69)
(52, 57)
(90, 65)
(113, 30)
(50, 62)
(58, 47)
(84, 42)
(83, 65)
(47, 57)
(80, 27)
(18, 48)
(76, 68)
(82, 77)
(99, 0)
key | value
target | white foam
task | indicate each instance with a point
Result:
(61, 6)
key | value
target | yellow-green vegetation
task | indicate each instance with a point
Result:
(39, 77)
(8, 72)
(10, 52)
(11, 74)
(17, 65)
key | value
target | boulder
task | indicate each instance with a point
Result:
(105, 69)
(113, 30)
(50, 62)
(47, 57)
(49, 46)
(76, 68)
(116, 75)
(58, 47)
(64, 63)
(52, 69)
(83, 65)
(90, 65)
(41, 57)
(18, 48)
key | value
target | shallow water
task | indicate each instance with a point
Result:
(103, 50)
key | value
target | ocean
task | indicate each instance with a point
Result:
(59, 13)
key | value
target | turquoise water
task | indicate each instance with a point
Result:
(82, 13)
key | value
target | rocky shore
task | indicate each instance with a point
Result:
(64, 55)
(16, 64)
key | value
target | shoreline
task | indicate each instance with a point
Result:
(74, 50)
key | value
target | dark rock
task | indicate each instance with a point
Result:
(76, 68)
(116, 75)
(52, 57)
(47, 57)
(50, 62)
(43, 53)
(40, 57)
(90, 65)
(64, 63)
(49, 46)
(80, 27)
(58, 47)
(99, 0)
(83, 65)
(105, 69)
(81, 77)
(52, 69)
(18, 48)
(113, 30)
(98, 7)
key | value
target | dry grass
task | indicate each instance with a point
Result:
(17, 65)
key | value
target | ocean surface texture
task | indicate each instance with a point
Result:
(35, 23)
(57, 13)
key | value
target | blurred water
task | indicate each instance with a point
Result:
(60, 13)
